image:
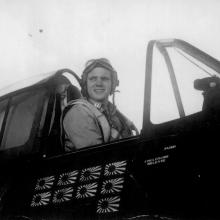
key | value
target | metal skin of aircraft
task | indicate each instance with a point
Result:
(169, 171)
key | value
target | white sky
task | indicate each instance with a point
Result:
(77, 30)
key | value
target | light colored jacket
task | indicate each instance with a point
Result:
(85, 125)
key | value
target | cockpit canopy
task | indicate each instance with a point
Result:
(28, 115)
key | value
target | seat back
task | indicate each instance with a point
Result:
(56, 137)
(73, 93)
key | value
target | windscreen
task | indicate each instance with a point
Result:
(186, 69)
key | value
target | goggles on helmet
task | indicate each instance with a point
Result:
(92, 64)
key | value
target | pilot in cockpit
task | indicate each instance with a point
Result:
(93, 119)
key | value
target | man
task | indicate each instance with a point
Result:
(94, 120)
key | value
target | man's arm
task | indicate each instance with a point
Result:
(81, 127)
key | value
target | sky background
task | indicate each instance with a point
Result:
(39, 36)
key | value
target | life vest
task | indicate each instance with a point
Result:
(100, 117)
(108, 133)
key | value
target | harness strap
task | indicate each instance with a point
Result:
(105, 127)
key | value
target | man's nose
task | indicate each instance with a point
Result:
(99, 82)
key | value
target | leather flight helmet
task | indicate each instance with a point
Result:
(93, 63)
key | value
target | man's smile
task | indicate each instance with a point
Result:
(99, 90)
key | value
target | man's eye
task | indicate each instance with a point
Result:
(92, 79)
(105, 79)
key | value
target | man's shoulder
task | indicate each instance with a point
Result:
(78, 107)
(78, 102)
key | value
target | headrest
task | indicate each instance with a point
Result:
(73, 93)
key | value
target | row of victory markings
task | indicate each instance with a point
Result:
(88, 185)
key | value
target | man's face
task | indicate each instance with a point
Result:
(99, 84)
